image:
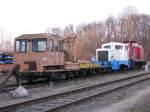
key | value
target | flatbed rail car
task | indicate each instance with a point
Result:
(47, 56)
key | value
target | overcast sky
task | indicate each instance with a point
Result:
(34, 16)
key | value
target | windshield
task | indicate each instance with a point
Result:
(39, 45)
(107, 47)
(118, 47)
(22, 45)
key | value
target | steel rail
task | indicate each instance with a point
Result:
(13, 86)
(66, 98)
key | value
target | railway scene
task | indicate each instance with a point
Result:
(75, 56)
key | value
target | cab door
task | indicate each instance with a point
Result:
(56, 53)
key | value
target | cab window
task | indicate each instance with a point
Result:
(118, 47)
(22, 45)
(56, 45)
(126, 48)
(107, 47)
(61, 46)
(39, 45)
(51, 45)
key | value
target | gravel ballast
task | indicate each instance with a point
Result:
(5, 97)
(128, 99)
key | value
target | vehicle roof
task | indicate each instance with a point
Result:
(118, 43)
(36, 36)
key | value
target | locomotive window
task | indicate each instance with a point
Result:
(22, 46)
(126, 48)
(38, 45)
(107, 47)
(61, 46)
(51, 45)
(119, 47)
(56, 45)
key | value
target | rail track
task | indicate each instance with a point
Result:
(51, 103)
(13, 86)
(9, 88)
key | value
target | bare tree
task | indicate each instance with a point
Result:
(68, 30)
(56, 31)
(5, 43)
(110, 28)
(130, 25)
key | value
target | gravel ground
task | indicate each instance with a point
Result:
(4, 97)
(132, 99)
(12, 80)
(138, 102)
(141, 106)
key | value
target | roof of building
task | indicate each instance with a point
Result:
(38, 35)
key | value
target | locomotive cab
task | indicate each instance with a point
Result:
(126, 55)
(113, 55)
(38, 52)
(136, 54)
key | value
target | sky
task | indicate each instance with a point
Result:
(35, 16)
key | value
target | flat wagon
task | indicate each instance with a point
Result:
(48, 56)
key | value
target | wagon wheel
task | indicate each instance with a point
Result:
(123, 68)
(30, 81)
